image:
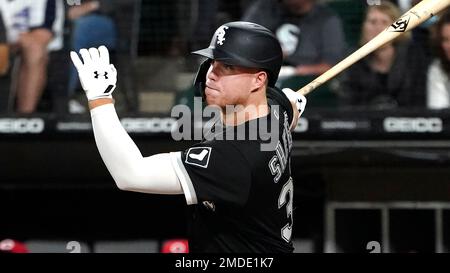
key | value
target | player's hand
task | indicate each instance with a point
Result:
(97, 76)
(296, 98)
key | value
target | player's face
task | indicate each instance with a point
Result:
(375, 22)
(230, 84)
(445, 32)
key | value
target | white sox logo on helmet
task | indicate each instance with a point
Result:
(221, 35)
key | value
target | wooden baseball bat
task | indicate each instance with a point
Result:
(418, 14)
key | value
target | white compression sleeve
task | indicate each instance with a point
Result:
(130, 170)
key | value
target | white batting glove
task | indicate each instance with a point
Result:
(297, 98)
(97, 76)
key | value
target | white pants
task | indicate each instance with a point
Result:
(21, 16)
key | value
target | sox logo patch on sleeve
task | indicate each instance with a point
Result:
(198, 156)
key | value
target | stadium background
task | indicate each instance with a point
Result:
(361, 176)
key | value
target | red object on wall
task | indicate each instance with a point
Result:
(175, 246)
(12, 246)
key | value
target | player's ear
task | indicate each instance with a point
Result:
(261, 79)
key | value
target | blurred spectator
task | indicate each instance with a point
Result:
(4, 50)
(34, 28)
(92, 26)
(4, 66)
(205, 23)
(311, 34)
(405, 5)
(438, 83)
(210, 14)
(159, 27)
(389, 77)
(421, 34)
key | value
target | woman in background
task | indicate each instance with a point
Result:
(393, 75)
(438, 83)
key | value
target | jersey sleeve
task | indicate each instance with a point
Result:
(213, 171)
(276, 97)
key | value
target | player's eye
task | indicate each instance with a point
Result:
(228, 66)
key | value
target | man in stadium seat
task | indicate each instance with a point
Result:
(34, 28)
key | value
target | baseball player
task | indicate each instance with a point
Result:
(240, 196)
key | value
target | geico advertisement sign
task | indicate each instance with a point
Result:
(21, 126)
(413, 125)
(148, 125)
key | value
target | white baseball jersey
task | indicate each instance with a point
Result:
(21, 16)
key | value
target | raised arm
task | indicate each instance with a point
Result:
(130, 170)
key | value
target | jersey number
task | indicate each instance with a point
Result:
(288, 189)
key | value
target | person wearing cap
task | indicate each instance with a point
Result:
(239, 190)
(311, 33)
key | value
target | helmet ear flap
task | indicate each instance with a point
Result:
(200, 78)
